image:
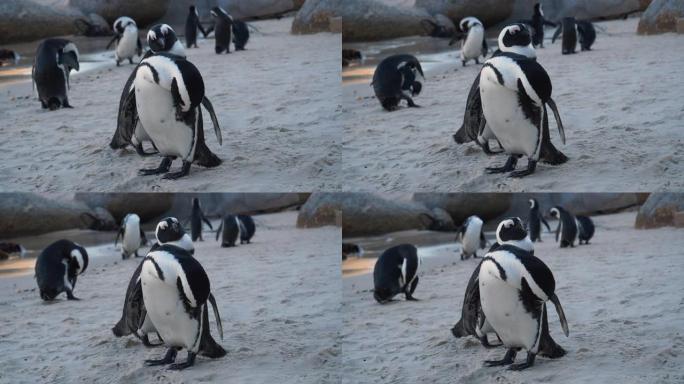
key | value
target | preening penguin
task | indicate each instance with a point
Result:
(535, 220)
(133, 237)
(223, 25)
(471, 237)
(568, 27)
(57, 268)
(55, 59)
(247, 228)
(566, 232)
(240, 34)
(514, 286)
(127, 40)
(196, 219)
(395, 272)
(585, 228)
(229, 230)
(475, 44)
(192, 23)
(395, 79)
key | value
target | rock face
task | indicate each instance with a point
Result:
(488, 11)
(143, 12)
(25, 20)
(219, 204)
(660, 17)
(660, 210)
(121, 204)
(320, 209)
(241, 9)
(579, 204)
(460, 205)
(555, 10)
(30, 214)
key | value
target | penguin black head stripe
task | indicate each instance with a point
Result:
(169, 230)
(511, 229)
(515, 34)
(162, 38)
(79, 258)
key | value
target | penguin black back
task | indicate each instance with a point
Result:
(568, 28)
(240, 34)
(223, 25)
(55, 58)
(196, 219)
(395, 80)
(192, 23)
(57, 268)
(229, 230)
(585, 229)
(395, 272)
(248, 228)
(587, 34)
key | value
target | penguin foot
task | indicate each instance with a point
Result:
(531, 166)
(507, 360)
(169, 358)
(163, 168)
(185, 170)
(188, 363)
(528, 363)
(509, 166)
(411, 298)
(485, 343)
(70, 296)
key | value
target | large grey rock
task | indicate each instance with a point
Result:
(241, 9)
(320, 209)
(26, 20)
(219, 204)
(659, 210)
(143, 12)
(660, 17)
(146, 205)
(461, 205)
(578, 203)
(488, 11)
(31, 214)
(582, 9)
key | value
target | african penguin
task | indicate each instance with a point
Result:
(9, 57)
(568, 27)
(474, 45)
(586, 33)
(395, 79)
(133, 237)
(240, 34)
(351, 250)
(192, 23)
(229, 230)
(514, 286)
(585, 229)
(8, 249)
(535, 220)
(127, 40)
(538, 23)
(247, 228)
(171, 232)
(471, 237)
(566, 232)
(223, 24)
(55, 59)
(396, 272)
(196, 219)
(57, 268)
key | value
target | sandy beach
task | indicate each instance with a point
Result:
(619, 103)
(278, 104)
(621, 295)
(279, 299)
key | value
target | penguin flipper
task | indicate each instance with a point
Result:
(219, 325)
(218, 231)
(203, 155)
(115, 38)
(208, 346)
(554, 108)
(210, 108)
(561, 314)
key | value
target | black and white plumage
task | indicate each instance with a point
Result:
(247, 228)
(534, 221)
(474, 44)
(9, 57)
(585, 229)
(192, 24)
(196, 219)
(471, 236)
(132, 236)
(586, 33)
(127, 40)
(170, 231)
(351, 250)
(55, 59)
(223, 26)
(230, 231)
(240, 34)
(395, 80)
(566, 232)
(538, 22)
(396, 272)
(57, 268)
(514, 286)
(567, 27)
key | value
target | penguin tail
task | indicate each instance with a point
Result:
(205, 158)
(210, 348)
(549, 348)
(458, 330)
(119, 330)
(551, 155)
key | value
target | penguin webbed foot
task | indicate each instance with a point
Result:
(485, 343)
(528, 363)
(169, 358)
(185, 170)
(531, 166)
(509, 166)
(507, 360)
(186, 364)
(70, 296)
(163, 168)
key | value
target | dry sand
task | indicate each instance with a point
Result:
(278, 104)
(622, 296)
(279, 299)
(621, 105)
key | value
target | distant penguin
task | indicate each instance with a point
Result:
(8, 249)
(566, 232)
(196, 219)
(586, 33)
(351, 250)
(475, 44)
(127, 40)
(176, 292)
(535, 220)
(538, 22)
(8, 57)
(192, 23)
(568, 27)
(585, 229)
(247, 228)
(471, 237)
(55, 59)
(395, 80)
(229, 230)
(57, 268)
(396, 272)
(223, 25)
(515, 91)
(514, 286)
(240, 34)
(133, 237)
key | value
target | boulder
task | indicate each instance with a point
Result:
(582, 9)
(26, 20)
(660, 17)
(241, 9)
(461, 205)
(143, 12)
(442, 221)
(320, 209)
(147, 206)
(219, 204)
(26, 214)
(489, 12)
(587, 204)
(660, 210)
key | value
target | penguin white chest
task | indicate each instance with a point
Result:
(505, 117)
(471, 239)
(128, 44)
(131, 238)
(472, 47)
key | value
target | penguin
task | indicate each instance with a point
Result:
(167, 93)
(247, 228)
(471, 237)
(535, 220)
(132, 236)
(127, 40)
(57, 268)
(475, 44)
(514, 286)
(176, 292)
(566, 231)
(223, 24)
(538, 22)
(8, 249)
(395, 272)
(196, 219)
(395, 79)
(240, 34)
(9, 57)
(192, 23)
(229, 230)
(514, 91)
(585, 229)
(351, 250)
(55, 59)
(586, 33)
(568, 27)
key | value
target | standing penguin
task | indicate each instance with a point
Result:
(475, 44)
(471, 237)
(55, 59)
(568, 27)
(566, 231)
(247, 228)
(240, 34)
(587, 34)
(514, 286)
(127, 40)
(176, 291)
(395, 79)
(223, 24)
(515, 91)
(538, 22)
(196, 219)
(535, 220)
(57, 268)
(395, 272)
(192, 23)
(133, 237)
(585, 228)
(229, 230)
